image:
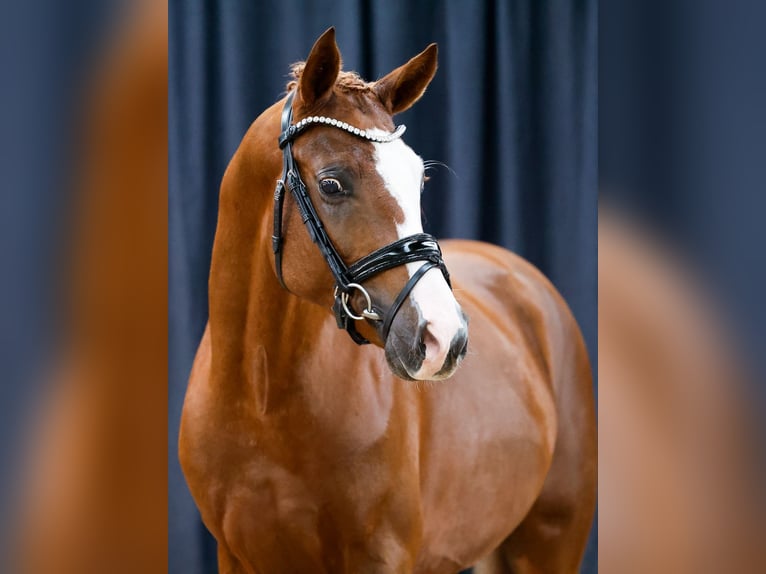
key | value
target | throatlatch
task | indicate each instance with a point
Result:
(418, 247)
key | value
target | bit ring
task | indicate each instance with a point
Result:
(367, 313)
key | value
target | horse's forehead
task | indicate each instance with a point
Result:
(361, 109)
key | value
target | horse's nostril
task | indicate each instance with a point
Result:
(422, 340)
(421, 350)
(459, 345)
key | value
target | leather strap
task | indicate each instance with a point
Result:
(276, 237)
(403, 295)
(418, 247)
(279, 194)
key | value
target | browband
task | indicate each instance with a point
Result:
(418, 247)
(289, 134)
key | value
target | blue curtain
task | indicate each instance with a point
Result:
(512, 111)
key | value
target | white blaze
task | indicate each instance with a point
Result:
(402, 171)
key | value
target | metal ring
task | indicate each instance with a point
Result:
(368, 313)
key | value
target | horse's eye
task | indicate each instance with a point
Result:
(330, 186)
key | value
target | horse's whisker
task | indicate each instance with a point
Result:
(430, 164)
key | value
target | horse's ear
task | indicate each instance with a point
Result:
(321, 69)
(405, 85)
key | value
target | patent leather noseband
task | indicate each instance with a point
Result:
(418, 247)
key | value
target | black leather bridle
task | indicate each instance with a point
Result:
(418, 247)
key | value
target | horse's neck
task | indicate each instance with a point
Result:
(256, 325)
(276, 319)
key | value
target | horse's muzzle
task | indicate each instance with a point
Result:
(426, 355)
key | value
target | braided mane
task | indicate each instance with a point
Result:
(347, 81)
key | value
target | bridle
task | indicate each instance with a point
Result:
(418, 247)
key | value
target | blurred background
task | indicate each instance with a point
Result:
(512, 112)
(83, 286)
(682, 276)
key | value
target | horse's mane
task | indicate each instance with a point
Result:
(347, 81)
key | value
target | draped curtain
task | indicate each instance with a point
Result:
(512, 112)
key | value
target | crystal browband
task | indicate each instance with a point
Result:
(293, 131)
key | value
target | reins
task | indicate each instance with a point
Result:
(417, 247)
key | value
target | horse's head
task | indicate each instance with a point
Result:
(367, 195)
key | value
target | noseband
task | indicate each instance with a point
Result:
(418, 247)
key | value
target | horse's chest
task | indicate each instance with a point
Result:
(323, 515)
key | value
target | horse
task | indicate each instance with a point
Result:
(308, 450)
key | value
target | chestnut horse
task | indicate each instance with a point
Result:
(307, 453)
